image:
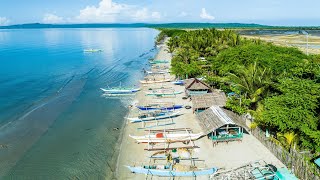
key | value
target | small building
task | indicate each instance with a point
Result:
(205, 101)
(216, 123)
(195, 87)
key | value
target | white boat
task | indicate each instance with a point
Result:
(154, 81)
(163, 93)
(92, 50)
(154, 116)
(156, 72)
(120, 90)
(178, 82)
(163, 137)
(170, 171)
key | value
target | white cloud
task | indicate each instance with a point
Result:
(52, 19)
(106, 11)
(183, 14)
(140, 15)
(156, 15)
(4, 21)
(145, 15)
(205, 15)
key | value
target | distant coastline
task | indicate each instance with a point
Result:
(165, 25)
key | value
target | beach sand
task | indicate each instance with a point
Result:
(223, 156)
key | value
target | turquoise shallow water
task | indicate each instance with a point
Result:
(54, 123)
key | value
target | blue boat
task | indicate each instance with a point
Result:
(169, 171)
(178, 82)
(150, 108)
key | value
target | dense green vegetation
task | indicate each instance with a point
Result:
(278, 86)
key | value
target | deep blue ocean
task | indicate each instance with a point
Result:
(54, 121)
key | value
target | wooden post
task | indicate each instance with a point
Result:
(212, 139)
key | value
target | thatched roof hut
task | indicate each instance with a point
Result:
(194, 86)
(204, 101)
(216, 122)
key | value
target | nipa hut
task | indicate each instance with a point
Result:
(195, 87)
(205, 101)
(219, 126)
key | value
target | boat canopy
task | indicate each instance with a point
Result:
(317, 161)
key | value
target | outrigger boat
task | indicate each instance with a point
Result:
(258, 170)
(163, 92)
(158, 107)
(166, 137)
(154, 81)
(178, 82)
(160, 67)
(159, 62)
(120, 90)
(156, 72)
(171, 170)
(154, 116)
(92, 50)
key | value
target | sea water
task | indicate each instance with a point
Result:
(54, 121)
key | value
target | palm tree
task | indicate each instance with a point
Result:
(287, 139)
(254, 82)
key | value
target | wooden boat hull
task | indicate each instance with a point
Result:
(163, 94)
(172, 173)
(159, 62)
(167, 138)
(151, 82)
(165, 116)
(180, 82)
(150, 108)
(119, 91)
(92, 50)
(156, 72)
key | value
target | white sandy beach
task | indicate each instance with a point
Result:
(223, 156)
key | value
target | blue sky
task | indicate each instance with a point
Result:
(270, 12)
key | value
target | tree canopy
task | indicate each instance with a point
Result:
(279, 86)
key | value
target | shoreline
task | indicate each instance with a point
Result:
(124, 127)
(122, 135)
(125, 131)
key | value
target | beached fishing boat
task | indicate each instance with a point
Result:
(159, 107)
(154, 116)
(258, 170)
(178, 82)
(92, 50)
(156, 72)
(165, 137)
(159, 62)
(154, 81)
(163, 92)
(120, 90)
(171, 170)
(174, 154)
